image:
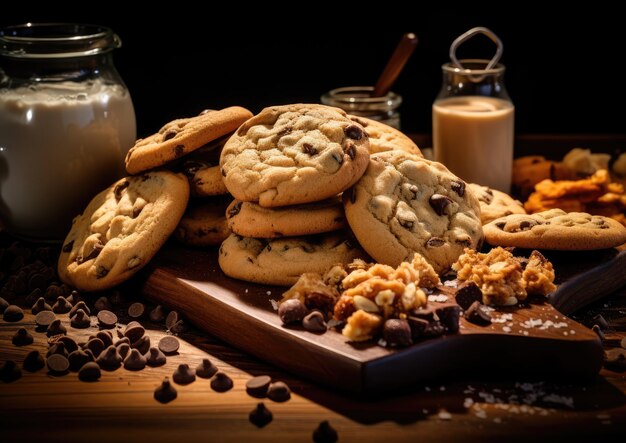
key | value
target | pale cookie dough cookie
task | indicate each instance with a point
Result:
(203, 171)
(494, 204)
(294, 154)
(251, 220)
(121, 229)
(180, 137)
(385, 138)
(282, 261)
(556, 229)
(204, 223)
(405, 204)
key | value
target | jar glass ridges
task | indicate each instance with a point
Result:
(358, 100)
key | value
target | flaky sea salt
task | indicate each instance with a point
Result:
(439, 298)
(274, 304)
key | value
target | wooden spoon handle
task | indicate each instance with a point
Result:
(396, 63)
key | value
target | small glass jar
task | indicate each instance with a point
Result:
(358, 100)
(66, 123)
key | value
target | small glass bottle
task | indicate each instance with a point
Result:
(473, 121)
(66, 123)
(358, 100)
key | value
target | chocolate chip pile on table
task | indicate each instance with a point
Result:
(260, 416)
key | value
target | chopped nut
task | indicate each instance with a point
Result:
(361, 326)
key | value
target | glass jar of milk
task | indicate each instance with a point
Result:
(473, 123)
(66, 123)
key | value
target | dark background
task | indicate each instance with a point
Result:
(564, 69)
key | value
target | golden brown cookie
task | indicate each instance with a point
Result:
(202, 169)
(494, 204)
(385, 138)
(204, 222)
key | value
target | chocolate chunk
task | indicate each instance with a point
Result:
(422, 328)
(68, 246)
(56, 328)
(13, 313)
(157, 315)
(124, 350)
(22, 338)
(80, 320)
(184, 375)
(353, 132)
(79, 305)
(62, 306)
(89, 372)
(458, 187)
(179, 150)
(477, 314)
(143, 344)
(102, 304)
(3, 305)
(314, 322)
(169, 345)
(171, 319)
(449, 317)
(40, 305)
(206, 369)
(69, 343)
(107, 319)
(260, 416)
(57, 364)
(397, 332)
(221, 382)
(136, 310)
(500, 225)
(279, 392)
(258, 386)
(109, 359)
(57, 348)
(338, 158)
(95, 345)
(117, 191)
(33, 361)
(134, 331)
(439, 203)
(9, 372)
(325, 433)
(78, 358)
(601, 321)
(106, 337)
(155, 358)
(135, 361)
(169, 134)
(178, 327)
(165, 393)
(291, 311)
(308, 148)
(615, 360)
(435, 242)
(525, 225)
(95, 252)
(351, 151)
(598, 331)
(121, 341)
(53, 292)
(467, 293)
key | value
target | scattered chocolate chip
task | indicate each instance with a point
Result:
(467, 293)
(279, 392)
(221, 382)
(22, 338)
(449, 317)
(439, 203)
(69, 343)
(615, 360)
(33, 361)
(80, 305)
(56, 328)
(165, 393)
(477, 314)
(13, 313)
(107, 319)
(136, 310)
(155, 357)
(260, 416)
(308, 148)
(40, 305)
(95, 345)
(80, 320)
(121, 341)
(53, 292)
(124, 350)
(9, 372)
(353, 132)
(206, 369)
(184, 375)
(134, 331)
(44, 318)
(171, 319)
(292, 311)
(157, 315)
(102, 304)
(3, 305)
(135, 361)
(178, 327)
(397, 332)
(78, 358)
(325, 433)
(169, 345)
(90, 371)
(258, 386)
(68, 246)
(62, 306)
(110, 358)
(106, 337)
(57, 364)
(598, 331)
(314, 322)
(458, 187)
(57, 348)
(601, 321)
(142, 345)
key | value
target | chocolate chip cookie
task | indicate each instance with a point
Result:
(121, 229)
(385, 138)
(294, 154)
(556, 229)
(180, 137)
(251, 220)
(405, 204)
(204, 222)
(203, 171)
(281, 261)
(494, 204)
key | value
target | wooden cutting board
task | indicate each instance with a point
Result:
(537, 341)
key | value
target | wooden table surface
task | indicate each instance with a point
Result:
(121, 407)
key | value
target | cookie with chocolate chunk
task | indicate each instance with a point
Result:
(204, 222)
(182, 136)
(281, 261)
(251, 220)
(294, 154)
(385, 138)
(556, 229)
(121, 229)
(494, 204)
(203, 171)
(405, 204)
